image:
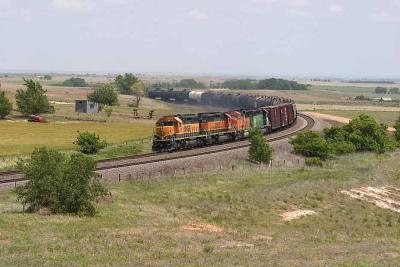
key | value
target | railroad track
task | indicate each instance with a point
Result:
(15, 176)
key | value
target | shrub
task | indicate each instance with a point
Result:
(5, 104)
(314, 161)
(62, 184)
(260, 151)
(33, 100)
(343, 147)
(368, 135)
(89, 143)
(311, 144)
(75, 82)
(108, 110)
(105, 95)
(397, 127)
(380, 90)
(361, 98)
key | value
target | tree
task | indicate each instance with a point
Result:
(5, 104)
(311, 144)
(47, 77)
(33, 100)
(75, 82)
(260, 151)
(380, 90)
(394, 90)
(105, 95)
(397, 127)
(89, 143)
(62, 184)
(138, 91)
(124, 83)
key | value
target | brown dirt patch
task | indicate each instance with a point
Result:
(203, 227)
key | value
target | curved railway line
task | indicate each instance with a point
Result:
(8, 177)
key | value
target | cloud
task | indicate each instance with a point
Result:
(385, 17)
(73, 5)
(335, 8)
(197, 15)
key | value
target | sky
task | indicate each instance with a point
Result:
(319, 38)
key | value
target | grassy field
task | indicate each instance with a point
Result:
(22, 137)
(228, 218)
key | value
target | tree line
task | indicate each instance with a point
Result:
(272, 83)
(184, 83)
(383, 90)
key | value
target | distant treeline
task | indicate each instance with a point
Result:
(273, 84)
(184, 83)
(368, 81)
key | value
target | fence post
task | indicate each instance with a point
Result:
(119, 177)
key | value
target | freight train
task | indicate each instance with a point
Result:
(186, 131)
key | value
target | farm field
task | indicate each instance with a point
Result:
(244, 217)
(22, 137)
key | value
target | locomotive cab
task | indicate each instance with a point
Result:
(165, 128)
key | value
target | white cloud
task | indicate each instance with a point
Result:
(385, 17)
(197, 15)
(73, 5)
(335, 8)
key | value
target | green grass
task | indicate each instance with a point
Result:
(387, 117)
(18, 138)
(144, 222)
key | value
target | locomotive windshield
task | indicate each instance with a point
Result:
(165, 123)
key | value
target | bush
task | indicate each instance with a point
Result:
(311, 144)
(361, 98)
(33, 100)
(397, 127)
(380, 90)
(108, 111)
(368, 135)
(342, 147)
(62, 184)
(361, 134)
(260, 151)
(5, 104)
(105, 95)
(89, 143)
(314, 161)
(74, 82)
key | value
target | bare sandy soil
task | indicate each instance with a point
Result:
(386, 197)
(296, 214)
